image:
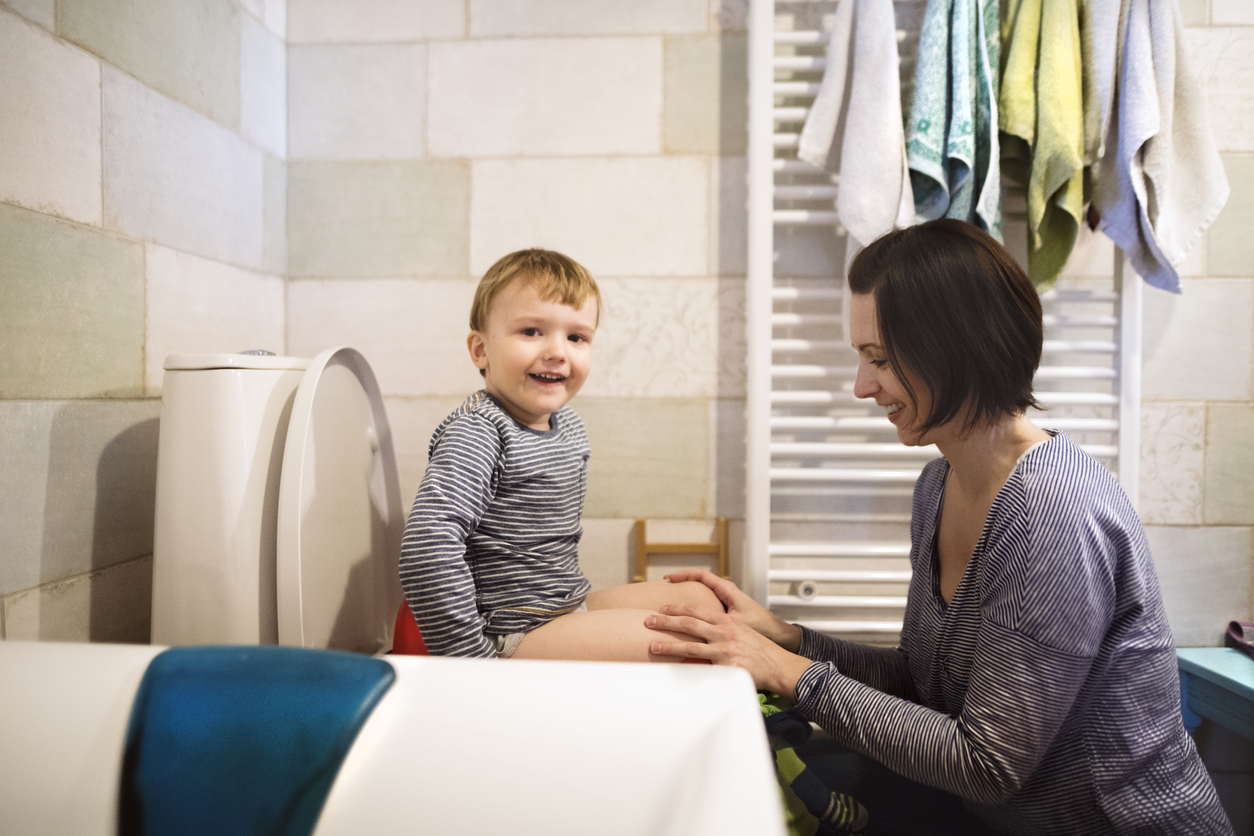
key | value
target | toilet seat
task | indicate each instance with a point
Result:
(339, 513)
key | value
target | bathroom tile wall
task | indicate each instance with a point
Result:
(143, 169)
(612, 131)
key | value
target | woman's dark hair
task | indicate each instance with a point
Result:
(958, 314)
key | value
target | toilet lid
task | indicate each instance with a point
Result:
(340, 517)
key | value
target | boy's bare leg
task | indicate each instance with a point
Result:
(653, 595)
(615, 635)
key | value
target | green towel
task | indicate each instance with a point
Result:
(1042, 120)
(810, 809)
(953, 143)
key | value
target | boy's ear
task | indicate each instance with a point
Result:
(478, 350)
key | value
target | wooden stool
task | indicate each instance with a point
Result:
(718, 548)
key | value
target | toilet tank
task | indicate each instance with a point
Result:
(224, 422)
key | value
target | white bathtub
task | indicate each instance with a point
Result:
(659, 749)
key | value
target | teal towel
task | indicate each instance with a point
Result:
(242, 739)
(953, 143)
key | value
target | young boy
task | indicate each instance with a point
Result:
(489, 560)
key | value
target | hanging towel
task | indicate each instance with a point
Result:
(1041, 113)
(1101, 21)
(953, 145)
(854, 126)
(1161, 182)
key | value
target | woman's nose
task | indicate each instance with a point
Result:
(864, 383)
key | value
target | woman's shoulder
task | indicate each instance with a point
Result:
(1058, 479)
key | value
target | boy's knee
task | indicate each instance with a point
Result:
(695, 593)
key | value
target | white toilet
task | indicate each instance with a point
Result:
(278, 515)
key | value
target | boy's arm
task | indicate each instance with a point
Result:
(459, 484)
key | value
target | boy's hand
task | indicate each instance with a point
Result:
(744, 609)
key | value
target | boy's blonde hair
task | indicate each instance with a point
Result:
(553, 275)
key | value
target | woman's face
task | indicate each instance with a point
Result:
(876, 379)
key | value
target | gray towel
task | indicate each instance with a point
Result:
(1161, 182)
(859, 101)
(953, 146)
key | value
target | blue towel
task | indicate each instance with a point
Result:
(242, 739)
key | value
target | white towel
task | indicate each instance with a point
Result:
(1101, 21)
(859, 101)
(1161, 182)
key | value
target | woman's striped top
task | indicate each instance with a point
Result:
(492, 543)
(1046, 692)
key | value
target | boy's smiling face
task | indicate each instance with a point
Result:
(535, 353)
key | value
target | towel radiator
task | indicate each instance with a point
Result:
(828, 485)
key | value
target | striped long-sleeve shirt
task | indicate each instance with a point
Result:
(491, 546)
(1045, 693)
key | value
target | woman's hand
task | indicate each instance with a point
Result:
(744, 609)
(728, 642)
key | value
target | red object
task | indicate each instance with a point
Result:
(406, 638)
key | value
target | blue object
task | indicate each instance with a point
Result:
(242, 739)
(1217, 683)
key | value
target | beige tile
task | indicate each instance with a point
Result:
(274, 215)
(1204, 574)
(377, 219)
(1228, 12)
(189, 50)
(650, 457)
(1199, 345)
(1229, 464)
(729, 15)
(79, 487)
(413, 331)
(413, 420)
(605, 552)
(1195, 12)
(357, 102)
(50, 135)
(263, 87)
(112, 605)
(43, 12)
(657, 338)
(1230, 245)
(732, 339)
(1173, 437)
(729, 457)
(275, 18)
(174, 177)
(542, 97)
(373, 21)
(641, 216)
(503, 18)
(256, 8)
(729, 217)
(71, 310)
(1222, 60)
(197, 306)
(707, 110)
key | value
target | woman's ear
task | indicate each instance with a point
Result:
(478, 350)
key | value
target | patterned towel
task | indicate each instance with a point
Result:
(810, 809)
(953, 144)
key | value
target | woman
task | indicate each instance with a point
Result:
(1036, 675)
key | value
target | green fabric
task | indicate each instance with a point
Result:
(953, 143)
(1042, 121)
(809, 807)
